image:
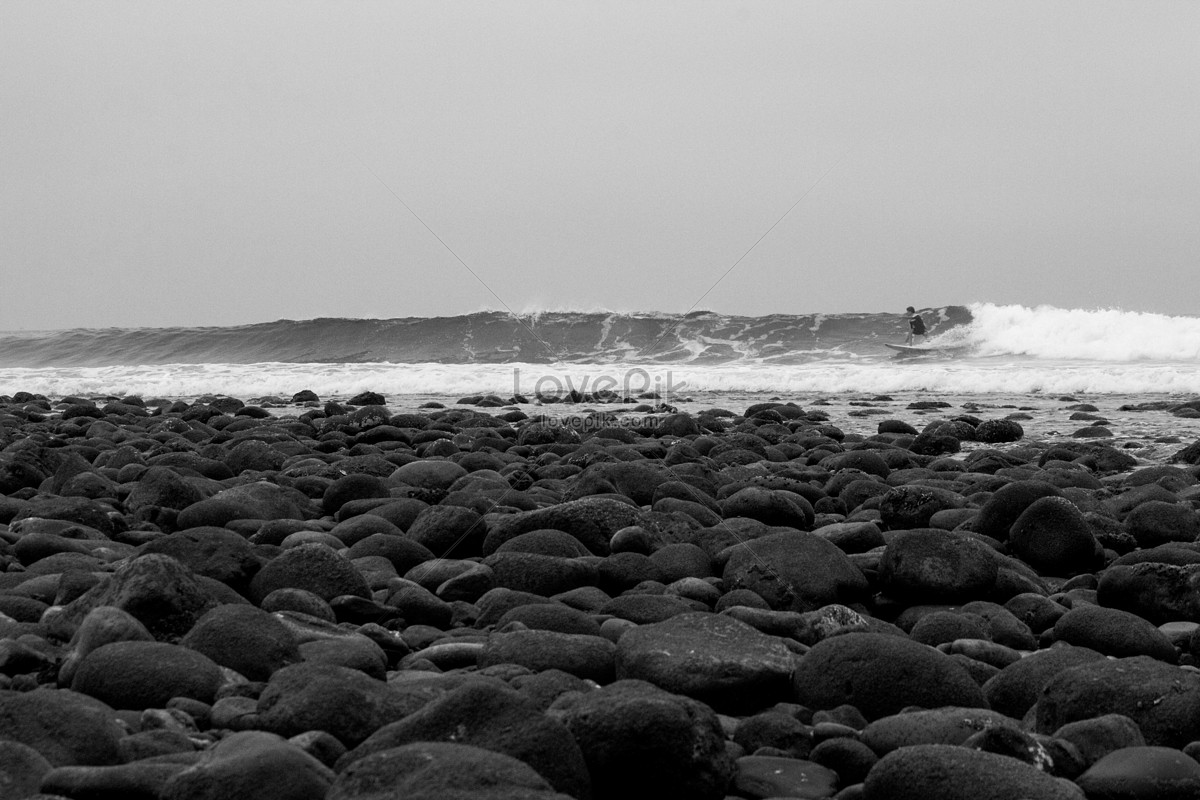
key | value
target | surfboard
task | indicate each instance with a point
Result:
(918, 349)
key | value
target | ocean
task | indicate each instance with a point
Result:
(1007, 350)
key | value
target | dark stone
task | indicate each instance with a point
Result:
(486, 714)
(1163, 700)
(641, 743)
(715, 659)
(139, 675)
(881, 674)
(796, 571)
(949, 772)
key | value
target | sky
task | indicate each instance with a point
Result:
(221, 163)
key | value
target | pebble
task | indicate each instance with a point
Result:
(204, 600)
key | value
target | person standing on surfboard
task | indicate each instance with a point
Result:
(916, 325)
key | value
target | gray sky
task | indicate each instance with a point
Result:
(216, 163)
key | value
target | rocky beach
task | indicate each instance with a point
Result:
(836, 597)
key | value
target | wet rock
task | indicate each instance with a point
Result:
(431, 770)
(1007, 503)
(1154, 591)
(715, 659)
(246, 639)
(488, 715)
(933, 566)
(1017, 687)
(1142, 772)
(260, 500)
(947, 725)
(959, 773)
(881, 674)
(642, 743)
(138, 675)
(1114, 633)
(1052, 536)
(252, 764)
(65, 727)
(316, 568)
(1163, 700)
(795, 572)
(345, 702)
(157, 590)
(590, 657)
(1097, 737)
(766, 776)
(1156, 522)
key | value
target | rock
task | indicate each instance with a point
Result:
(402, 552)
(766, 776)
(948, 772)
(775, 729)
(1017, 687)
(427, 474)
(253, 455)
(1156, 522)
(316, 568)
(65, 727)
(947, 725)
(437, 770)
(21, 769)
(260, 500)
(545, 542)
(1161, 773)
(160, 487)
(1097, 737)
(641, 743)
(881, 674)
(993, 431)
(538, 574)
(137, 780)
(103, 625)
(1008, 503)
(1154, 591)
(795, 572)
(590, 657)
(852, 537)
(351, 487)
(1052, 536)
(216, 553)
(491, 716)
(551, 617)
(157, 590)
(715, 659)
(246, 639)
(769, 506)
(644, 609)
(935, 566)
(353, 530)
(849, 758)
(252, 764)
(591, 520)
(912, 506)
(1162, 699)
(345, 702)
(449, 531)
(138, 675)
(1114, 633)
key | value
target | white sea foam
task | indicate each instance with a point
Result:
(958, 376)
(1075, 333)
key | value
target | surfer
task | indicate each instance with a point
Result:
(916, 325)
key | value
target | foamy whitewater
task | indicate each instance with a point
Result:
(998, 349)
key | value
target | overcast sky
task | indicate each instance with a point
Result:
(215, 163)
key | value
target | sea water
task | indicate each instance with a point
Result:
(998, 350)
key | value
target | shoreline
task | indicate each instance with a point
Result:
(340, 588)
